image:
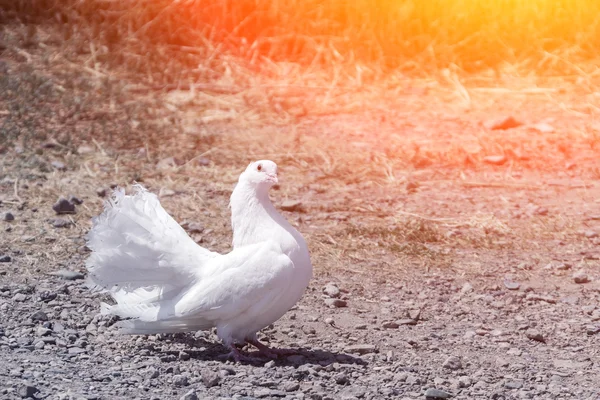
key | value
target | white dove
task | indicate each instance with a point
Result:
(164, 282)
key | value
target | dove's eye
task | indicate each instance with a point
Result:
(259, 167)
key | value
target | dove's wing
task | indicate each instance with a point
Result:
(238, 287)
(140, 253)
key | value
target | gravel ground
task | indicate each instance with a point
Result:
(502, 302)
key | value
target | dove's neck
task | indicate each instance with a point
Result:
(253, 216)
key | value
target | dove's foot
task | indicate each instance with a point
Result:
(270, 352)
(236, 355)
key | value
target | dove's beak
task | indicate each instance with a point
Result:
(272, 178)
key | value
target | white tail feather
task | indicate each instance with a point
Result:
(141, 256)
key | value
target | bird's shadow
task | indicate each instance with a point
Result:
(207, 350)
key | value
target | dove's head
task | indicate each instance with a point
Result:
(261, 173)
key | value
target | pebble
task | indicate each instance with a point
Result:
(536, 335)
(453, 363)
(210, 378)
(60, 223)
(433, 393)
(361, 349)
(505, 123)
(5, 258)
(291, 205)
(75, 350)
(180, 380)
(331, 290)
(580, 277)
(390, 325)
(513, 384)
(27, 391)
(101, 192)
(39, 316)
(291, 386)
(335, 303)
(8, 216)
(59, 165)
(19, 297)
(510, 285)
(75, 200)
(63, 206)
(68, 275)
(495, 159)
(191, 395)
(593, 329)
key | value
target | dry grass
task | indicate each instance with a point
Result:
(223, 43)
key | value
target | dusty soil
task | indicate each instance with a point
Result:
(448, 255)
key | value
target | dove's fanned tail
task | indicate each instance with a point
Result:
(140, 255)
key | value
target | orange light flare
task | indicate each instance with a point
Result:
(340, 44)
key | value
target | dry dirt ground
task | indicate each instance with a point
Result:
(451, 259)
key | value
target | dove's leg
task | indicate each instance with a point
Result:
(268, 351)
(238, 356)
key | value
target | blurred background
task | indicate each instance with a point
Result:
(362, 41)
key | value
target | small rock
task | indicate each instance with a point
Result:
(59, 165)
(28, 391)
(510, 285)
(542, 127)
(390, 325)
(495, 159)
(292, 205)
(361, 349)
(432, 393)
(83, 149)
(505, 123)
(580, 277)
(63, 206)
(180, 380)
(5, 258)
(514, 352)
(291, 386)
(466, 288)
(183, 356)
(210, 378)
(331, 290)
(341, 378)
(414, 314)
(406, 321)
(60, 223)
(19, 297)
(191, 395)
(166, 163)
(195, 227)
(39, 316)
(68, 275)
(592, 329)
(335, 303)
(75, 200)
(452, 363)
(202, 162)
(412, 186)
(536, 335)
(101, 192)
(270, 364)
(513, 384)
(152, 373)
(76, 350)
(164, 192)
(8, 217)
